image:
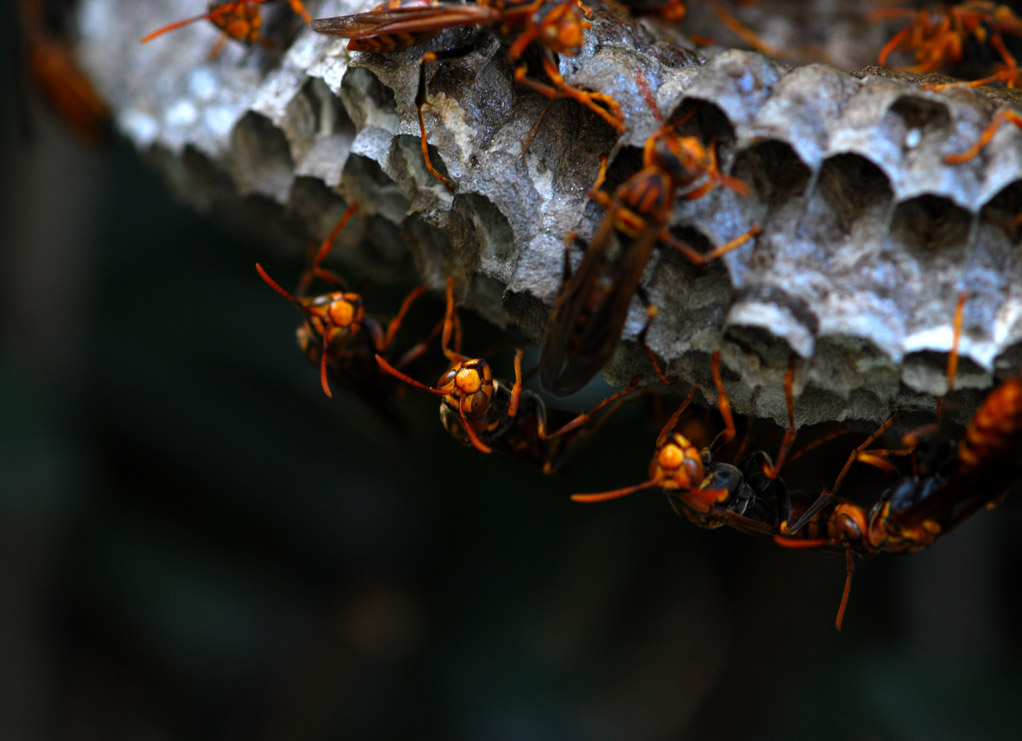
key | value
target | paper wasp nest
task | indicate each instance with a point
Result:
(868, 237)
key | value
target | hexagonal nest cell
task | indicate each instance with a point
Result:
(868, 235)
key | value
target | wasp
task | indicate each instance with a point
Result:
(494, 416)
(337, 334)
(555, 26)
(55, 73)
(938, 38)
(241, 20)
(952, 482)
(748, 495)
(590, 312)
(958, 480)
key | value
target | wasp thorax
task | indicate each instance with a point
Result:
(569, 36)
(683, 156)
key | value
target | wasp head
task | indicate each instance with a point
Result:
(684, 157)
(333, 318)
(239, 19)
(561, 27)
(678, 464)
(468, 388)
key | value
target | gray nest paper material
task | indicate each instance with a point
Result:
(868, 236)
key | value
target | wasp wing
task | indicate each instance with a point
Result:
(404, 20)
(578, 295)
(602, 306)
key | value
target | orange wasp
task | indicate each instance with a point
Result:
(707, 492)
(339, 337)
(950, 483)
(241, 20)
(586, 322)
(492, 415)
(555, 26)
(938, 38)
(747, 496)
(55, 72)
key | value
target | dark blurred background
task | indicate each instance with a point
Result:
(196, 543)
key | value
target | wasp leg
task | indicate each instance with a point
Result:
(651, 312)
(420, 101)
(952, 357)
(702, 258)
(586, 416)
(299, 10)
(849, 570)
(986, 137)
(606, 108)
(395, 323)
(315, 267)
(773, 470)
(828, 496)
(728, 434)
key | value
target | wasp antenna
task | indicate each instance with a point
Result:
(283, 292)
(274, 285)
(174, 26)
(614, 493)
(279, 289)
(388, 368)
(322, 370)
